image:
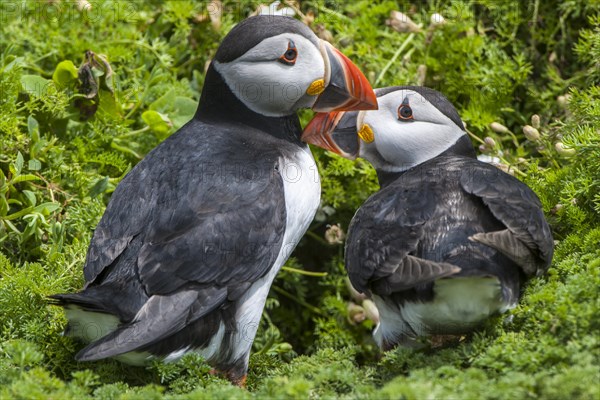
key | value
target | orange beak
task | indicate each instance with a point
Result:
(346, 87)
(334, 131)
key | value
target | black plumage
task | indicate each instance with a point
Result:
(445, 242)
(405, 236)
(170, 231)
(185, 253)
(420, 227)
(261, 27)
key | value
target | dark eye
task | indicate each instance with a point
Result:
(290, 55)
(405, 113)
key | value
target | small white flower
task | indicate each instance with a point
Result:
(437, 20)
(563, 100)
(531, 133)
(535, 121)
(83, 5)
(498, 127)
(335, 234)
(491, 143)
(402, 23)
(275, 9)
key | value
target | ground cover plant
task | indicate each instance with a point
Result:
(87, 88)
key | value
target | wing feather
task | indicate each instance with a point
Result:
(515, 205)
(385, 230)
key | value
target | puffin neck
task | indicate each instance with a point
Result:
(219, 104)
(461, 148)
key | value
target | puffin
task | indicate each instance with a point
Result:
(448, 240)
(185, 253)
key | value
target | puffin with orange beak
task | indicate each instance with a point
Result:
(448, 240)
(192, 238)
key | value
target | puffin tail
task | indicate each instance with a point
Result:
(88, 318)
(80, 300)
(159, 318)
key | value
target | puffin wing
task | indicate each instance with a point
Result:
(226, 233)
(206, 213)
(125, 216)
(384, 234)
(527, 239)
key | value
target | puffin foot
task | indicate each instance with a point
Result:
(238, 380)
(231, 376)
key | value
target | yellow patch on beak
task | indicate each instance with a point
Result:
(366, 133)
(315, 88)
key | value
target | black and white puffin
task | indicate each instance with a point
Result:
(448, 240)
(186, 251)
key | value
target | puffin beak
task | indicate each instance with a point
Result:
(345, 87)
(334, 131)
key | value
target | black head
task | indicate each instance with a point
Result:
(251, 31)
(437, 99)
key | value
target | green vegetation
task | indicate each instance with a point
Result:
(72, 124)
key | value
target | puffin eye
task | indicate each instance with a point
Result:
(290, 55)
(405, 113)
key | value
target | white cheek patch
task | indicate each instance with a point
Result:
(268, 87)
(414, 144)
(406, 144)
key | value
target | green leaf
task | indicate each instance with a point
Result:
(109, 83)
(34, 165)
(19, 163)
(165, 102)
(30, 196)
(108, 105)
(23, 353)
(14, 62)
(158, 123)
(33, 127)
(25, 178)
(17, 214)
(65, 74)
(185, 108)
(46, 208)
(3, 206)
(99, 187)
(11, 226)
(35, 85)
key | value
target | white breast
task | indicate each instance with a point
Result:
(302, 188)
(458, 306)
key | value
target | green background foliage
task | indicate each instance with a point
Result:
(66, 141)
